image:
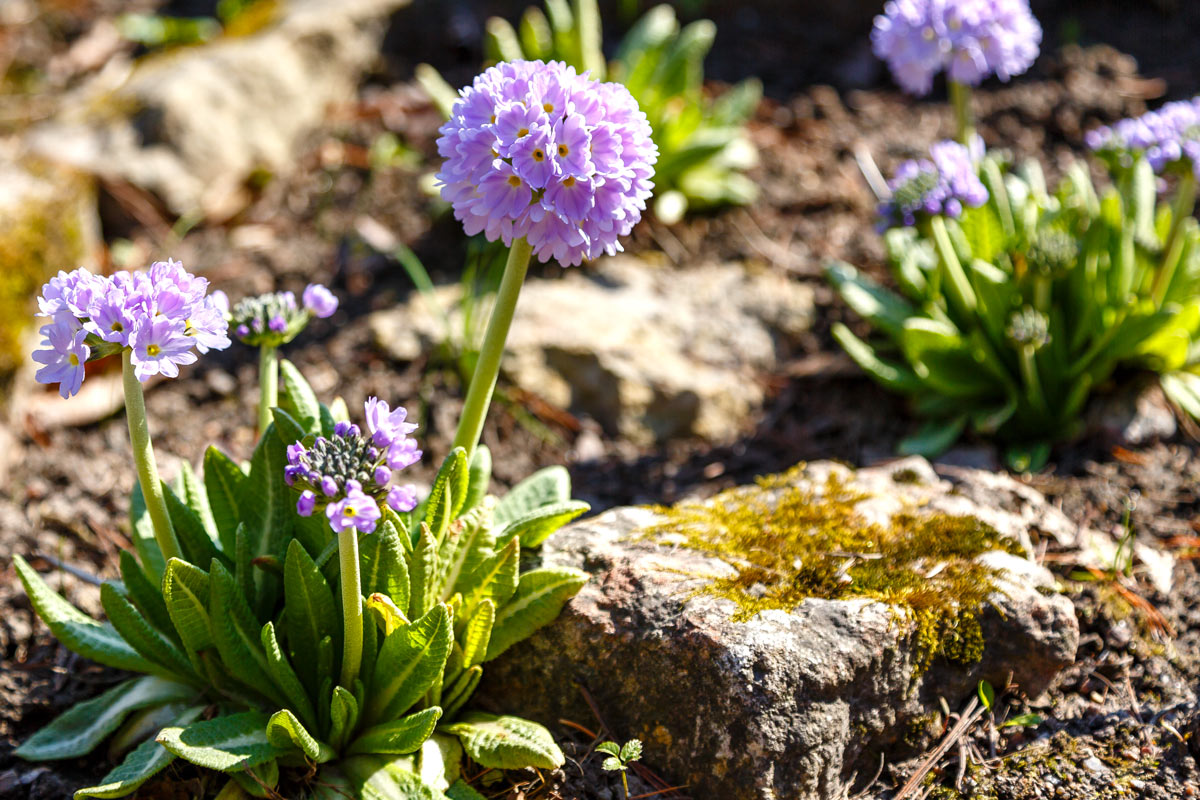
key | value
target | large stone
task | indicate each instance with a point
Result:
(784, 706)
(191, 125)
(650, 353)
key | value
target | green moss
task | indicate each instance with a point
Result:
(788, 543)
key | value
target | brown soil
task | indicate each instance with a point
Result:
(1129, 702)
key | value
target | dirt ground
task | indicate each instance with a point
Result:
(1120, 723)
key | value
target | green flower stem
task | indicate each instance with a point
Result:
(143, 458)
(487, 368)
(964, 120)
(959, 288)
(1182, 208)
(625, 783)
(268, 385)
(352, 610)
(1033, 384)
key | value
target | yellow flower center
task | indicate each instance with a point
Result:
(514, 181)
(117, 327)
(522, 132)
(153, 350)
(539, 155)
(563, 150)
(569, 182)
(548, 107)
(74, 359)
(493, 119)
(350, 511)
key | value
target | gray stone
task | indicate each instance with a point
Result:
(650, 353)
(193, 124)
(785, 706)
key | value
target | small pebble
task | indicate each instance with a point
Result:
(1093, 764)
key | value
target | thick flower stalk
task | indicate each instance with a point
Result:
(551, 163)
(270, 321)
(348, 477)
(968, 39)
(157, 319)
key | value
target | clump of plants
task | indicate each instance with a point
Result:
(1015, 302)
(703, 147)
(789, 540)
(306, 624)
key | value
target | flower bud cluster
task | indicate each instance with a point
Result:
(941, 185)
(274, 319)
(160, 315)
(349, 474)
(1168, 137)
(1029, 327)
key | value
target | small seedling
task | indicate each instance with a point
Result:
(619, 758)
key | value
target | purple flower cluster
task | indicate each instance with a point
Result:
(970, 39)
(274, 319)
(943, 184)
(538, 151)
(159, 315)
(348, 474)
(1167, 136)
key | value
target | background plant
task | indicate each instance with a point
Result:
(1010, 314)
(704, 150)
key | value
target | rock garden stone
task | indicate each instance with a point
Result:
(743, 692)
(650, 353)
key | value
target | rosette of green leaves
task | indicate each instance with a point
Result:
(239, 659)
(465, 555)
(703, 147)
(1007, 320)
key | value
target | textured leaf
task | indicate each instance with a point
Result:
(269, 534)
(297, 397)
(228, 743)
(422, 573)
(79, 729)
(439, 761)
(78, 632)
(189, 529)
(186, 591)
(495, 578)
(142, 636)
(377, 778)
(399, 736)
(310, 612)
(343, 715)
(237, 635)
(506, 742)
(384, 568)
(192, 491)
(228, 495)
(461, 691)
(285, 677)
(449, 492)
(463, 791)
(142, 533)
(145, 595)
(631, 750)
(479, 477)
(409, 663)
(287, 428)
(285, 731)
(540, 597)
(883, 308)
(477, 632)
(533, 527)
(1183, 388)
(140, 765)
(469, 541)
(543, 488)
(388, 616)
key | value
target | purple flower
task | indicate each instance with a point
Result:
(970, 39)
(356, 510)
(319, 301)
(329, 486)
(1167, 137)
(402, 498)
(306, 504)
(159, 347)
(386, 426)
(530, 146)
(64, 355)
(942, 185)
(403, 453)
(209, 326)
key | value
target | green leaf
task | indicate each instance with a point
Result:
(612, 764)
(479, 477)
(933, 438)
(186, 592)
(387, 614)
(237, 635)
(145, 595)
(142, 636)
(422, 573)
(193, 538)
(309, 614)
(384, 568)
(1030, 720)
(983, 231)
(227, 744)
(631, 750)
(194, 494)
(500, 41)
(439, 761)
(297, 397)
(495, 578)
(269, 533)
(1183, 389)
(398, 737)
(78, 632)
(477, 633)
(545, 487)
(506, 742)
(987, 695)
(285, 677)
(536, 37)
(461, 691)
(449, 492)
(370, 777)
(898, 377)
(284, 731)
(612, 748)
(229, 495)
(79, 729)
(140, 765)
(142, 533)
(287, 428)
(410, 662)
(883, 308)
(463, 791)
(535, 527)
(343, 715)
(540, 596)
(467, 544)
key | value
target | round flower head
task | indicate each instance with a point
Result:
(970, 39)
(349, 475)
(275, 318)
(159, 316)
(943, 184)
(538, 151)
(1168, 137)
